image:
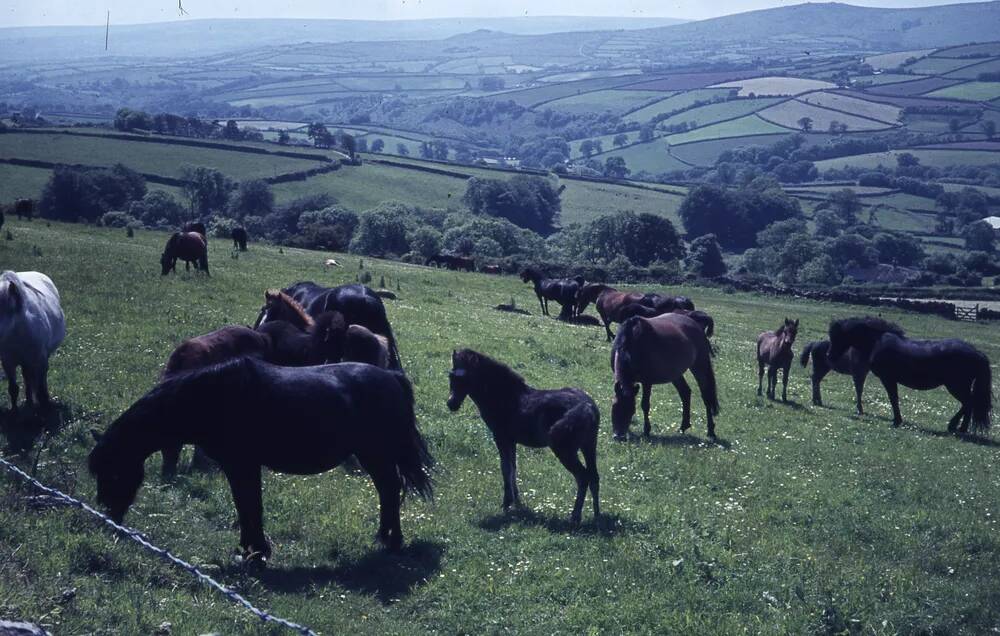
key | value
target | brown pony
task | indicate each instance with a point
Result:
(361, 345)
(774, 350)
(190, 247)
(608, 301)
(659, 350)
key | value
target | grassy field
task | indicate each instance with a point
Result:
(712, 113)
(937, 65)
(789, 113)
(705, 153)
(615, 101)
(749, 125)
(892, 60)
(864, 108)
(154, 158)
(935, 158)
(673, 103)
(801, 520)
(776, 85)
(970, 91)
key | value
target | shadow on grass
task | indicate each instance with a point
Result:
(607, 525)
(382, 574)
(970, 438)
(679, 439)
(23, 429)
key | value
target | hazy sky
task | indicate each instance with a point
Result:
(65, 12)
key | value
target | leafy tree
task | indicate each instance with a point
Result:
(402, 150)
(774, 236)
(907, 160)
(989, 127)
(381, 232)
(378, 145)
(283, 138)
(805, 123)
(321, 137)
(898, 249)
(73, 192)
(330, 228)
(425, 241)
(846, 204)
(954, 125)
(735, 216)
(158, 209)
(642, 238)
(232, 131)
(349, 143)
(794, 254)
(852, 248)
(828, 224)
(646, 133)
(206, 189)
(527, 201)
(615, 168)
(980, 237)
(705, 257)
(252, 198)
(820, 271)
(620, 140)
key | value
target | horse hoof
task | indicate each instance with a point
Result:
(619, 437)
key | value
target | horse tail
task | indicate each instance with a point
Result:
(707, 321)
(394, 360)
(710, 390)
(804, 358)
(414, 461)
(982, 397)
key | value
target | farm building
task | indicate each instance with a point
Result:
(994, 222)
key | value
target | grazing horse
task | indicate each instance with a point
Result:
(452, 261)
(625, 312)
(32, 326)
(563, 291)
(240, 238)
(361, 345)
(491, 269)
(608, 301)
(247, 414)
(359, 305)
(774, 350)
(664, 304)
(659, 350)
(852, 363)
(24, 208)
(922, 365)
(565, 420)
(197, 227)
(190, 247)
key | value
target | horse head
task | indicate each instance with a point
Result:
(463, 367)
(789, 330)
(118, 478)
(860, 333)
(10, 295)
(623, 408)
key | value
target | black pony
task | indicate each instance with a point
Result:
(565, 420)
(561, 290)
(239, 236)
(452, 261)
(197, 227)
(357, 303)
(851, 363)
(920, 364)
(247, 414)
(664, 304)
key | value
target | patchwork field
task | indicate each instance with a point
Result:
(887, 113)
(674, 103)
(927, 158)
(789, 113)
(712, 113)
(749, 125)
(893, 60)
(614, 101)
(776, 86)
(800, 520)
(972, 91)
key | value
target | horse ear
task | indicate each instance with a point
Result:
(796, 322)
(97, 435)
(14, 294)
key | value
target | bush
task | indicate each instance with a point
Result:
(425, 242)
(158, 209)
(705, 258)
(221, 227)
(381, 232)
(331, 228)
(117, 219)
(820, 271)
(73, 193)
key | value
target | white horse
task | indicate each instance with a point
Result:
(32, 326)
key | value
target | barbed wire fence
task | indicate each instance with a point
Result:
(136, 536)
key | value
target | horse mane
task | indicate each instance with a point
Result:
(493, 372)
(277, 294)
(873, 323)
(532, 274)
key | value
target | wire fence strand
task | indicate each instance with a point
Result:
(136, 536)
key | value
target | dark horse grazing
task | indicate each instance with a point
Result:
(453, 261)
(561, 290)
(189, 247)
(277, 342)
(247, 414)
(774, 350)
(565, 420)
(359, 305)
(625, 312)
(920, 364)
(24, 208)
(197, 227)
(608, 301)
(240, 237)
(659, 350)
(851, 363)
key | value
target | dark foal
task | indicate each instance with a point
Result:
(561, 290)
(565, 420)
(774, 351)
(922, 365)
(852, 363)
(247, 415)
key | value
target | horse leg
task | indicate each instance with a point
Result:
(892, 389)
(784, 381)
(513, 476)
(607, 328)
(10, 370)
(760, 377)
(772, 380)
(589, 450)
(171, 454)
(506, 470)
(389, 488)
(684, 390)
(647, 389)
(964, 395)
(817, 377)
(567, 455)
(42, 384)
(245, 484)
(859, 388)
(28, 375)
